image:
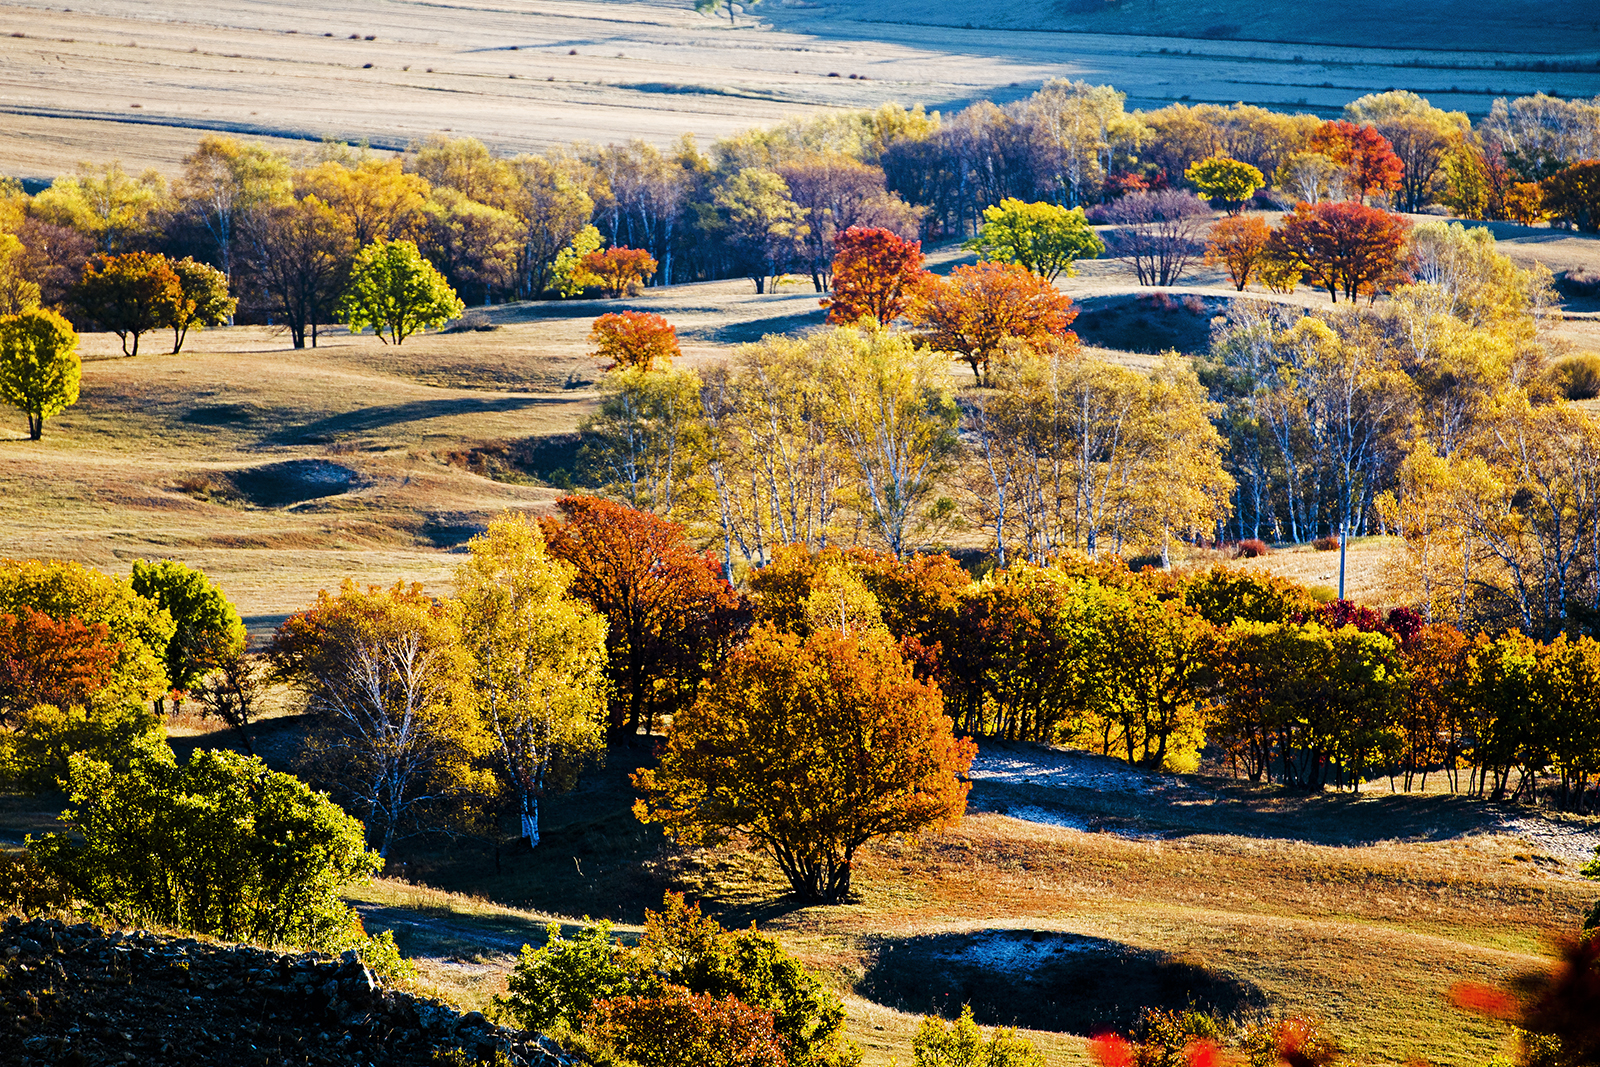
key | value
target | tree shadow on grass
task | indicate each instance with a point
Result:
(1047, 980)
(382, 416)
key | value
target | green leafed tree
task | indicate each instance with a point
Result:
(203, 299)
(1226, 181)
(207, 630)
(538, 660)
(1042, 238)
(221, 846)
(39, 366)
(396, 292)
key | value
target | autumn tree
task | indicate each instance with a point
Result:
(1346, 246)
(635, 339)
(1157, 233)
(1365, 154)
(618, 271)
(1042, 238)
(376, 199)
(39, 366)
(299, 255)
(1420, 135)
(224, 178)
(106, 204)
(836, 192)
(396, 736)
(669, 614)
(18, 292)
(875, 273)
(1226, 181)
(643, 443)
(975, 310)
(812, 748)
(49, 661)
(1573, 194)
(761, 222)
(203, 299)
(129, 295)
(475, 246)
(537, 662)
(1237, 244)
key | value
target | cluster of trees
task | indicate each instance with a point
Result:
(1443, 415)
(854, 433)
(286, 233)
(1440, 416)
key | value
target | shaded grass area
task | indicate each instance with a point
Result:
(1046, 980)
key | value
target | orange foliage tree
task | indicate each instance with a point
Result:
(1238, 243)
(977, 309)
(1573, 194)
(618, 270)
(812, 746)
(129, 295)
(1345, 246)
(670, 614)
(43, 661)
(875, 273)
(635, 339)
(1374, 167)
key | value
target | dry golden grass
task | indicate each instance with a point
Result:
(141, 81)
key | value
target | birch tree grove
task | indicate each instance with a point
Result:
(396, 737)
(538, 661)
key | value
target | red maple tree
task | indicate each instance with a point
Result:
(875, 272)
(43, 661)
(1344, 245)
(1374, 167)
(670, 613)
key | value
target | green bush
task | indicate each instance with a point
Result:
(962, 1044)
(562, 986)
(221, 846)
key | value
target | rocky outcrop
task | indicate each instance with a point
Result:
(76, 994)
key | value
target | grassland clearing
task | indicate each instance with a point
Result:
(138, 80)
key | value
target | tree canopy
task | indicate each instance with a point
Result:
(812, 747)
(1042, 238)
(39, 366)
(396, 292)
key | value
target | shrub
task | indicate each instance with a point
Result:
(220, 846)
(1328, 543)
(962, 1044)
(1296, 1042)
(1577, 377)
(28, 888)
(1253, 548)
(618, 271)
(563, 985)
(557, 986)
(683, 1029)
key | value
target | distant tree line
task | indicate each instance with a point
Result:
(285, 232)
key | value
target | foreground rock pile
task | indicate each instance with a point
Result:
(80, 995)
